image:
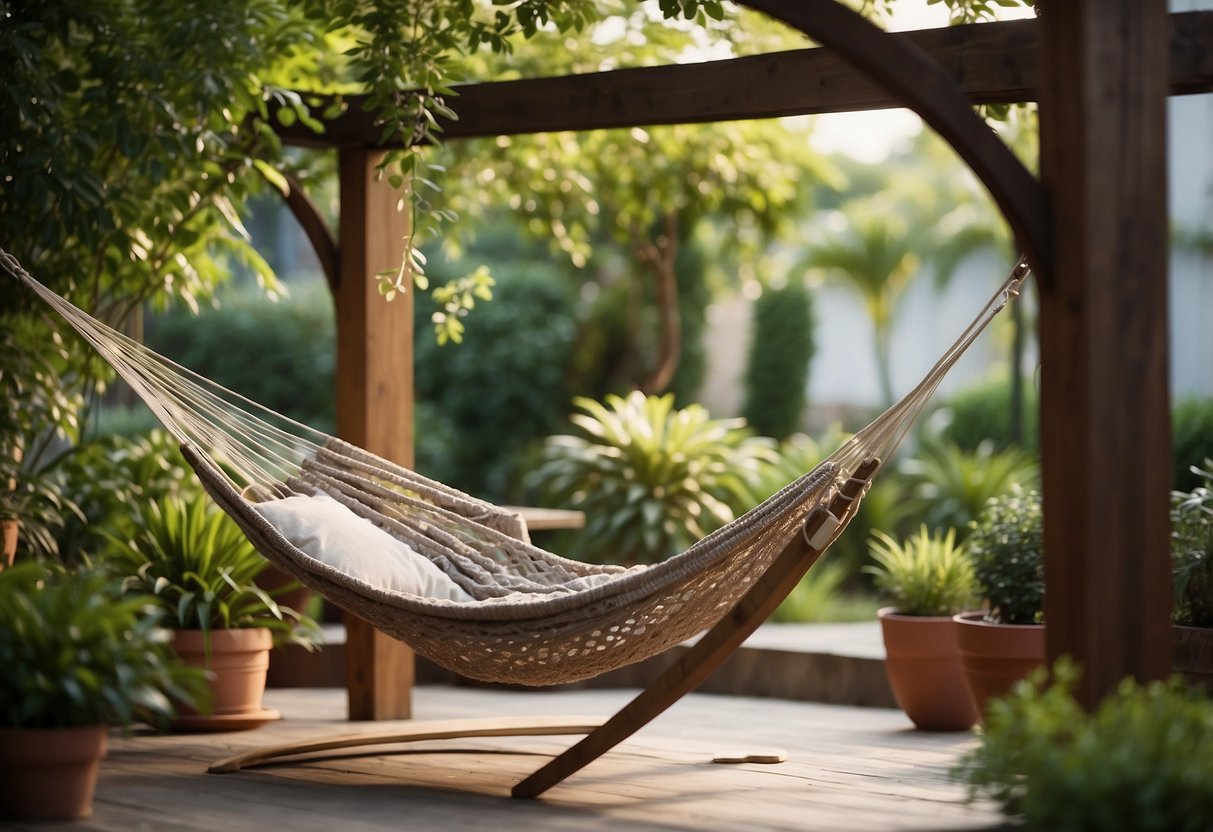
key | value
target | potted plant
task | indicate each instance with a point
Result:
(1140, 761)
(1003, 644)
(930, 578)
(77, 656)
(1192, 562)
(200, 568)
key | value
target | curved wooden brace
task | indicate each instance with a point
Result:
(821, 528)
(922, 85)
(438, 729)
(318, 233)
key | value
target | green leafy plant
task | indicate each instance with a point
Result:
(76, 651)
(35, 414)
(652, 479)
(1192, 550)
(822, 596)
(928, 574)
(982, 413)
(110, 478)
(1141, 761)
(199, 566)
(781, 351)
(1008, 556)
(948, 487)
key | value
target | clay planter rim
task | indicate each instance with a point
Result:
(912, 634)
(1024, 641)
(244, 638)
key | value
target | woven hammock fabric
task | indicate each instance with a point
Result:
(537, 618)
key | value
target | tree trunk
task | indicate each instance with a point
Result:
(660, 256)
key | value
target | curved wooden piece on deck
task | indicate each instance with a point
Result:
(438, 729)
(921, 84)
(821, 528)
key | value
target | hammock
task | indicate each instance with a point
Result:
(534, 618)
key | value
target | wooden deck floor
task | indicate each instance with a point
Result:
(847, 769)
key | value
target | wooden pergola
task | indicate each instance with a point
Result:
(1094, 225)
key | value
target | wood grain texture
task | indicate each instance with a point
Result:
(374, 395)
(848, 770)
(1105, 427)
(991, 63)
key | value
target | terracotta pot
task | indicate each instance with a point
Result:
(49, 773)
(239, 660)
(1194, 655)
(923, 665)
(996, 656)
(8, 530)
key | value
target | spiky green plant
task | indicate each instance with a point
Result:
(948, 487)
(199, 566)
(75, 651)
(928, 574)
(651, 479)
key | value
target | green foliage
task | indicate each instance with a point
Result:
(777, 369)
(928, 574)
(502, 389)
(821, 596)
(199, 567)
(948, 487)
(1192, 550)
(77, 652)
(1008, 556)
(982, 413)
(110, 479)
(286, 354)
(651, 479)
(36, 414)
(1191, 438)
(1141, 761)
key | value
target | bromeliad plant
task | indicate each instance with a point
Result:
(652, 479)
(199, 566)
(927, 575)
(76, 651)
(948, 486)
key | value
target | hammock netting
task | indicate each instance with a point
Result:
(537, 618)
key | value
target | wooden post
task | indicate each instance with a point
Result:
(374, 396)
(1105, 426)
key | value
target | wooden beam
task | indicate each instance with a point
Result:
(319, 235)
(990, 62)
(1105, 427)
(374, 396)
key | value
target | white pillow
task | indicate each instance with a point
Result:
(332, 534)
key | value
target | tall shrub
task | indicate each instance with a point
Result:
(503, 388)
(781, 350)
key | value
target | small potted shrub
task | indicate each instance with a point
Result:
(200, 568)
(1007, 641)
(1140, 761)
(1192, 562)
(76, 656)
(930, 578)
